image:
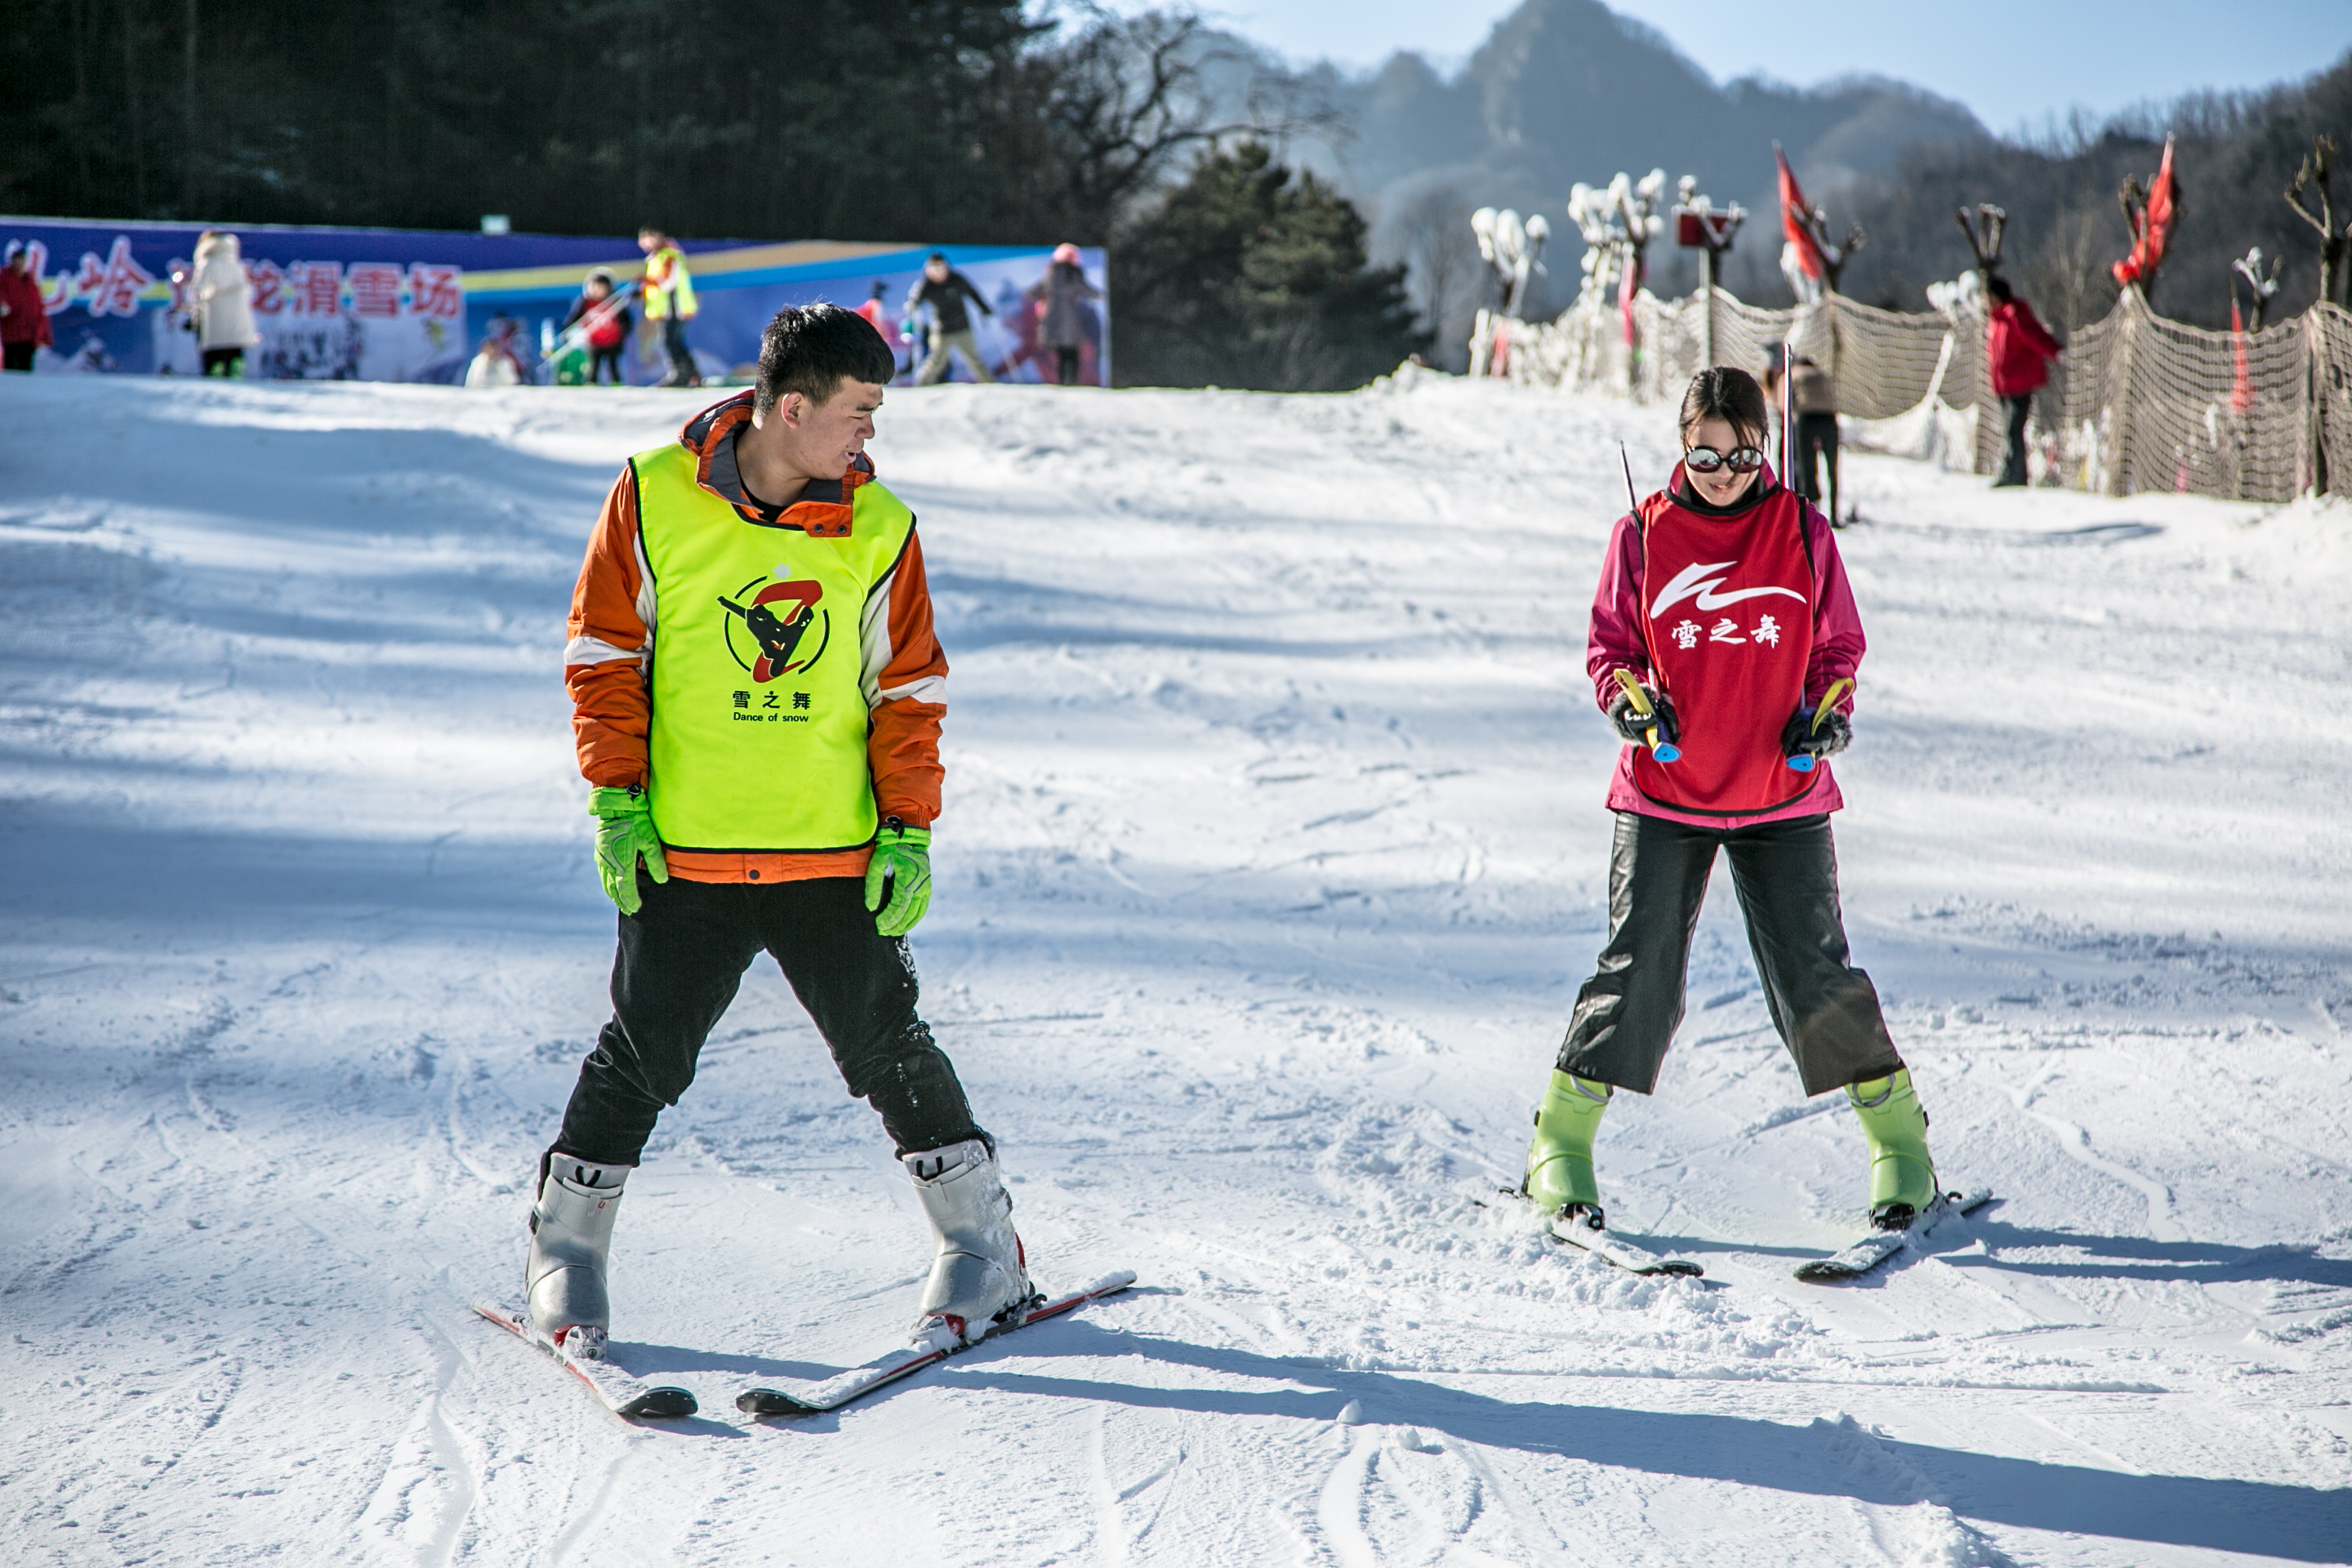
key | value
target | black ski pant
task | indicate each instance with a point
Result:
(1817, 447)
(1065, 365)
(602, 360)
(681, 358)
(1785, 876)
(19, 356)
(683, 954)
(2012, 470)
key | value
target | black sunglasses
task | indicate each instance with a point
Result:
(1706, 459)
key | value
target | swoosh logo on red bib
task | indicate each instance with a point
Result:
(1693, 582)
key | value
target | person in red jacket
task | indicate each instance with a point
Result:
(609, 324)
(1723, 602)
(2016, 348)
(23, 319)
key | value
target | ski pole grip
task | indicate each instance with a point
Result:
(1802, 762)
(1664, 751)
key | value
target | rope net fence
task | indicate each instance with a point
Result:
(2136, 403)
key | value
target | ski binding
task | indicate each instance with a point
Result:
(1578, 1231)
(935, 1345)
(1881, 1245)
(620, 1393)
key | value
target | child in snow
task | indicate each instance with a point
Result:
(609, 324)
(757, 695)
(497, 365)
(877, 316)
(1724, 597)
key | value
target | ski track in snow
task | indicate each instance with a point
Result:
(1273, 857)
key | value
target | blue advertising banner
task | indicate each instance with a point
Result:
(358, 304)
(737, 288)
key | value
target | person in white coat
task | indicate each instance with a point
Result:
(497, 365)
(224, 313)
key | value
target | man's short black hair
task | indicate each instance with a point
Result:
(937, 256)
(813, 349)
(1998, 286)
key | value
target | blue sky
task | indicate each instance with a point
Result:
(2015, 62)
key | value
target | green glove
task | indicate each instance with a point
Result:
(625, 830)
(902, 860)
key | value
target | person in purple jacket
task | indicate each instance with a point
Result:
(1724, 626)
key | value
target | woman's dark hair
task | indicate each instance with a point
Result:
(1722, 391)
(1998, 286)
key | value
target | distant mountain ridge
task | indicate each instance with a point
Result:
(1565, 90)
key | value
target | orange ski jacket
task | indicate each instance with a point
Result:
(611, 630)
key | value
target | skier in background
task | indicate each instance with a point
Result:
(1814, 392)
(609, 324)
(24, 315)
(759, 784)
(945, 289)
(668, 293)
(223, 320)
(1737, 685)
(2018, 348)
(1062, 316)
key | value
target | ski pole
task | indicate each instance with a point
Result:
(1664, 751)
(1787, 405)
(1803, 761)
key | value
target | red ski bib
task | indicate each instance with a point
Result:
(1728, 616)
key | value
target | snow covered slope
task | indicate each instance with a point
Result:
(1274, 855)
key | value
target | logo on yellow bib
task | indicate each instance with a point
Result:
(768, 623)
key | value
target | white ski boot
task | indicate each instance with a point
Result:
(570, 1236)
(980, 1274)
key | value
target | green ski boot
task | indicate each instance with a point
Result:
(1902, 1173)
(1560, 1160)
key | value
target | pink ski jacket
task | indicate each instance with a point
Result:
(1619, 640)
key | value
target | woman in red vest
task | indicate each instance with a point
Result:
(1723, 600)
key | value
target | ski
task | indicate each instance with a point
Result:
(814, 1399)
(1578, 1231)
(1881, 1245)
(620, 1393)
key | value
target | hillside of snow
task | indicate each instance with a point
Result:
(1274, 854)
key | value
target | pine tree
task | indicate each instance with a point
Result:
(1250, 275)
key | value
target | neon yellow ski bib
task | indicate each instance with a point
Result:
(759, 715)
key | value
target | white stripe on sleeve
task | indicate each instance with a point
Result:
(928, 689)
(596, 650)
(873, 639)
(644, 586)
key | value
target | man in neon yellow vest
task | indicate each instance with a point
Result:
(668, 291)
(757, 694)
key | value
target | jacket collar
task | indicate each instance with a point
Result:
(825, 507)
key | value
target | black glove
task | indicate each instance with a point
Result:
(1636, 727)
(1798, 737)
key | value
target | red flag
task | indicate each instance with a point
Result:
(2153, 232)
(1629, 285)
(2241, 385)
(1793, 211)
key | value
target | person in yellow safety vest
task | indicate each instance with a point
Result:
(669, 300)
(757, 693)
